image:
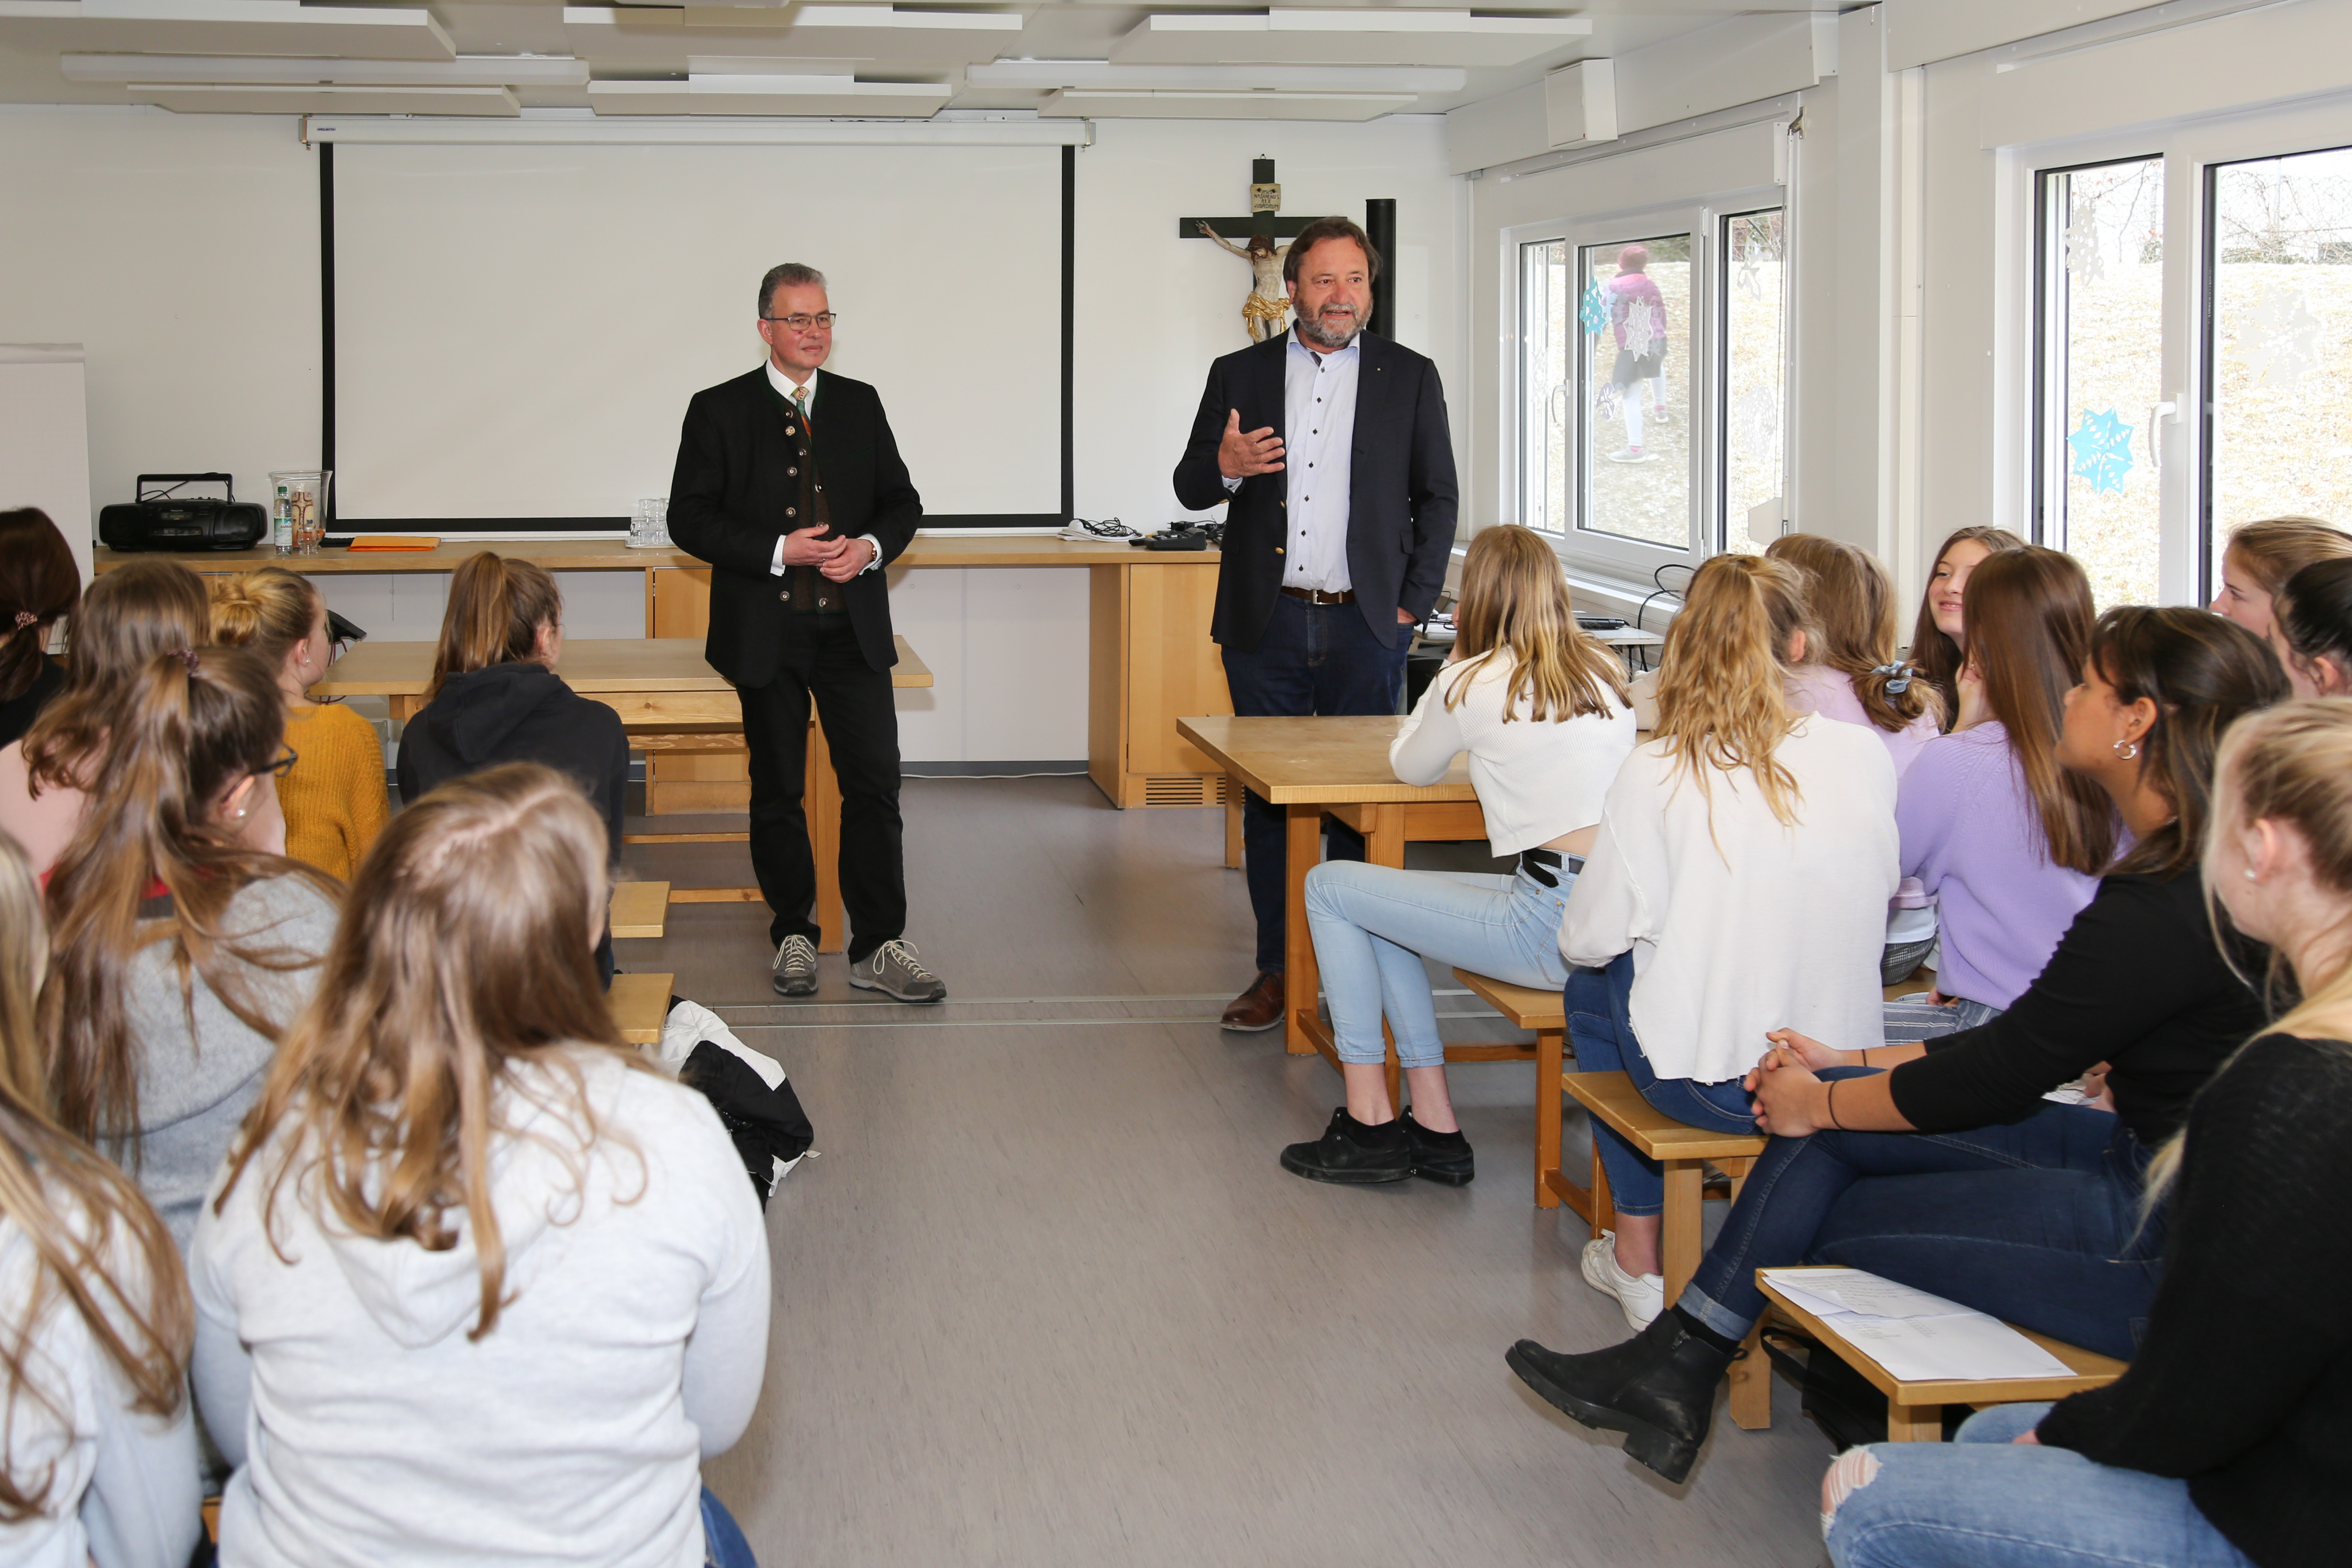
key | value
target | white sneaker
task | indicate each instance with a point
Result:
(1640, 1297)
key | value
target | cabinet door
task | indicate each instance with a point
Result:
(1173, 669)
(690, 781)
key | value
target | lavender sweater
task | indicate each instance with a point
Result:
(1971, 832)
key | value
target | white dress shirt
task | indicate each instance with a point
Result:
(1318, 434)
(784, 389)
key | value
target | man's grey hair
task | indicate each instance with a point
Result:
(791, 275)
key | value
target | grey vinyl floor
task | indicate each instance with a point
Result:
(1045, 1299)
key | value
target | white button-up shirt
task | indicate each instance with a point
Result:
(1319, 457)
(784, 389)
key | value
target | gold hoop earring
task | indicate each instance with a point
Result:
(2126, 751)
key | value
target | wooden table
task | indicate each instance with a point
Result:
(668, 700)
(1340, 766)
(1148, 655)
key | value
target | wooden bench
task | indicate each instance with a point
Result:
(1914, 1411)
(638, 909)
(1546, 1014)
(640, 1003)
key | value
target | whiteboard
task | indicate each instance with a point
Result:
(519, 329)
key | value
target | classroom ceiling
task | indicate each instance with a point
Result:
(1306, 60)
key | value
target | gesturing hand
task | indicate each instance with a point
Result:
(1240, 456)
(803, 547)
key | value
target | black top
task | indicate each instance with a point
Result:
(737, 474)
(1402, 495)
(17, 713)
(2243, 1385)
(2138, 981)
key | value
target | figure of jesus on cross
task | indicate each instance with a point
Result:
(1266, 313)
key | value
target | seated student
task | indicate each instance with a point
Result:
(1739, 880)
(478, 1285)
(185, 941)
(2010, 844)
(1951, 1172)
(333, 796)
(1541, 707)
(129, 615)
(1939, 638)
(2261, 557)
(1851, 672)
(98, 1460)
(39, 584)
(494, 697)
(2226, 1442)
(2311, 630)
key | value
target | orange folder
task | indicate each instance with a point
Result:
(393, 541)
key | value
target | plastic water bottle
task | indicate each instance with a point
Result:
(282, 522)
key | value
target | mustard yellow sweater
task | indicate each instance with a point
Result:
(335, 796)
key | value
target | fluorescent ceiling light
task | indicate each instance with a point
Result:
(811, 95)
(852, 16)
(1069, 102)
(1324, 79)
(493, 70)
(701, 132)
(297, 97)
(1347, 37)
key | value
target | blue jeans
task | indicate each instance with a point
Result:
(1373, 925)
(1314, 659)
(724, 1545)
(2037, 1223)
(1982, 1502)
(1601, 1026)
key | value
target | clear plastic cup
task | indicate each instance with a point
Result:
(300, 500)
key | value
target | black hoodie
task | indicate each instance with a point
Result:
(520, 713)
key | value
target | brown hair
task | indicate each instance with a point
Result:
(2029, 618)
(496, 608)
(2276, 548)
(38, 584)
(96, 1243)
(268, 609)
(187, 729)
(1724, 673)
(1323, 228)
(2203, 672)
(1852, 602)
(462, 960)
(129, 615)
(2313, 614)
(1938, 657)
(1514, 607)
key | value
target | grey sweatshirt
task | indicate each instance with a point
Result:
(194, 1089)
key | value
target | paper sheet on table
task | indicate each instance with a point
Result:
(1949, 1342)
(1858, 1291)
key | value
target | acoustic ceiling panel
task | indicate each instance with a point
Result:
(223, 28)
(1049, 74)
(1113, 103)
(800, 95)
(210, 98)
(466, 71)
(631, 36)
(1347, 37)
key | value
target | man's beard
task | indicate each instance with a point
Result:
(1312, 329)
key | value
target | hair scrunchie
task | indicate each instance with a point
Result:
(1902, 674)
(186, 656)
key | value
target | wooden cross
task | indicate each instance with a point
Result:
(1266, 202)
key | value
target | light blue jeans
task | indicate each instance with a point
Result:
(1374, 924)
(1983, 1502)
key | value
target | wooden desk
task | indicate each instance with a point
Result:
(668, 699)
(1338, 765)
(1148, 657)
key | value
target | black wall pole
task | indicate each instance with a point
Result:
(1379, 227)
(327, 318)
(1069, 331)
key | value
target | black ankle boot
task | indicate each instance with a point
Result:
(1657, 1388)
(1353, 1154)
(1443, 1157)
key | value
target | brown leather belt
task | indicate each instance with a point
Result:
(1318, 596)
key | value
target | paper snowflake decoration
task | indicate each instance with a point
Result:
(2102, 443)
(2083, 259)
(1592, 313)
(2279, 340)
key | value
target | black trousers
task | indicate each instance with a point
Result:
(821, 662)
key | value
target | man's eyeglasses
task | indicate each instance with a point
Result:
(284, 765)
(803, 324)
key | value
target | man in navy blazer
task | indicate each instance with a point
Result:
(1331, 446)
(790, 484)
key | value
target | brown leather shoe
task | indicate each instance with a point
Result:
(1259, 1007)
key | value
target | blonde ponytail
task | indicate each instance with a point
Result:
(1723, 677)
(268, 609)
(497, 607)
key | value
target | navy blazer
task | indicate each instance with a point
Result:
(727, 501)
(1401, 492)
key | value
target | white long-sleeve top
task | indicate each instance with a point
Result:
(336, 1371)
(123, 1487)
(1536, 779)
(1738, 924)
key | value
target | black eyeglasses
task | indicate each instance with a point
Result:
(803, 324)
(284, 765)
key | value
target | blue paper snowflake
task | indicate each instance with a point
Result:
(2102, 445)
(1593, 312)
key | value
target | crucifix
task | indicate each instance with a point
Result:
(1265, 310)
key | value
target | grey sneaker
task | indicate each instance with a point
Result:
(895, 971)
(795, 967)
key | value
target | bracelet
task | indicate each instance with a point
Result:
(1866, 1056)
(1830, 1103)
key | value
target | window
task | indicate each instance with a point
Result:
(2278, 365)
(1652, 368)
(2100, 338)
